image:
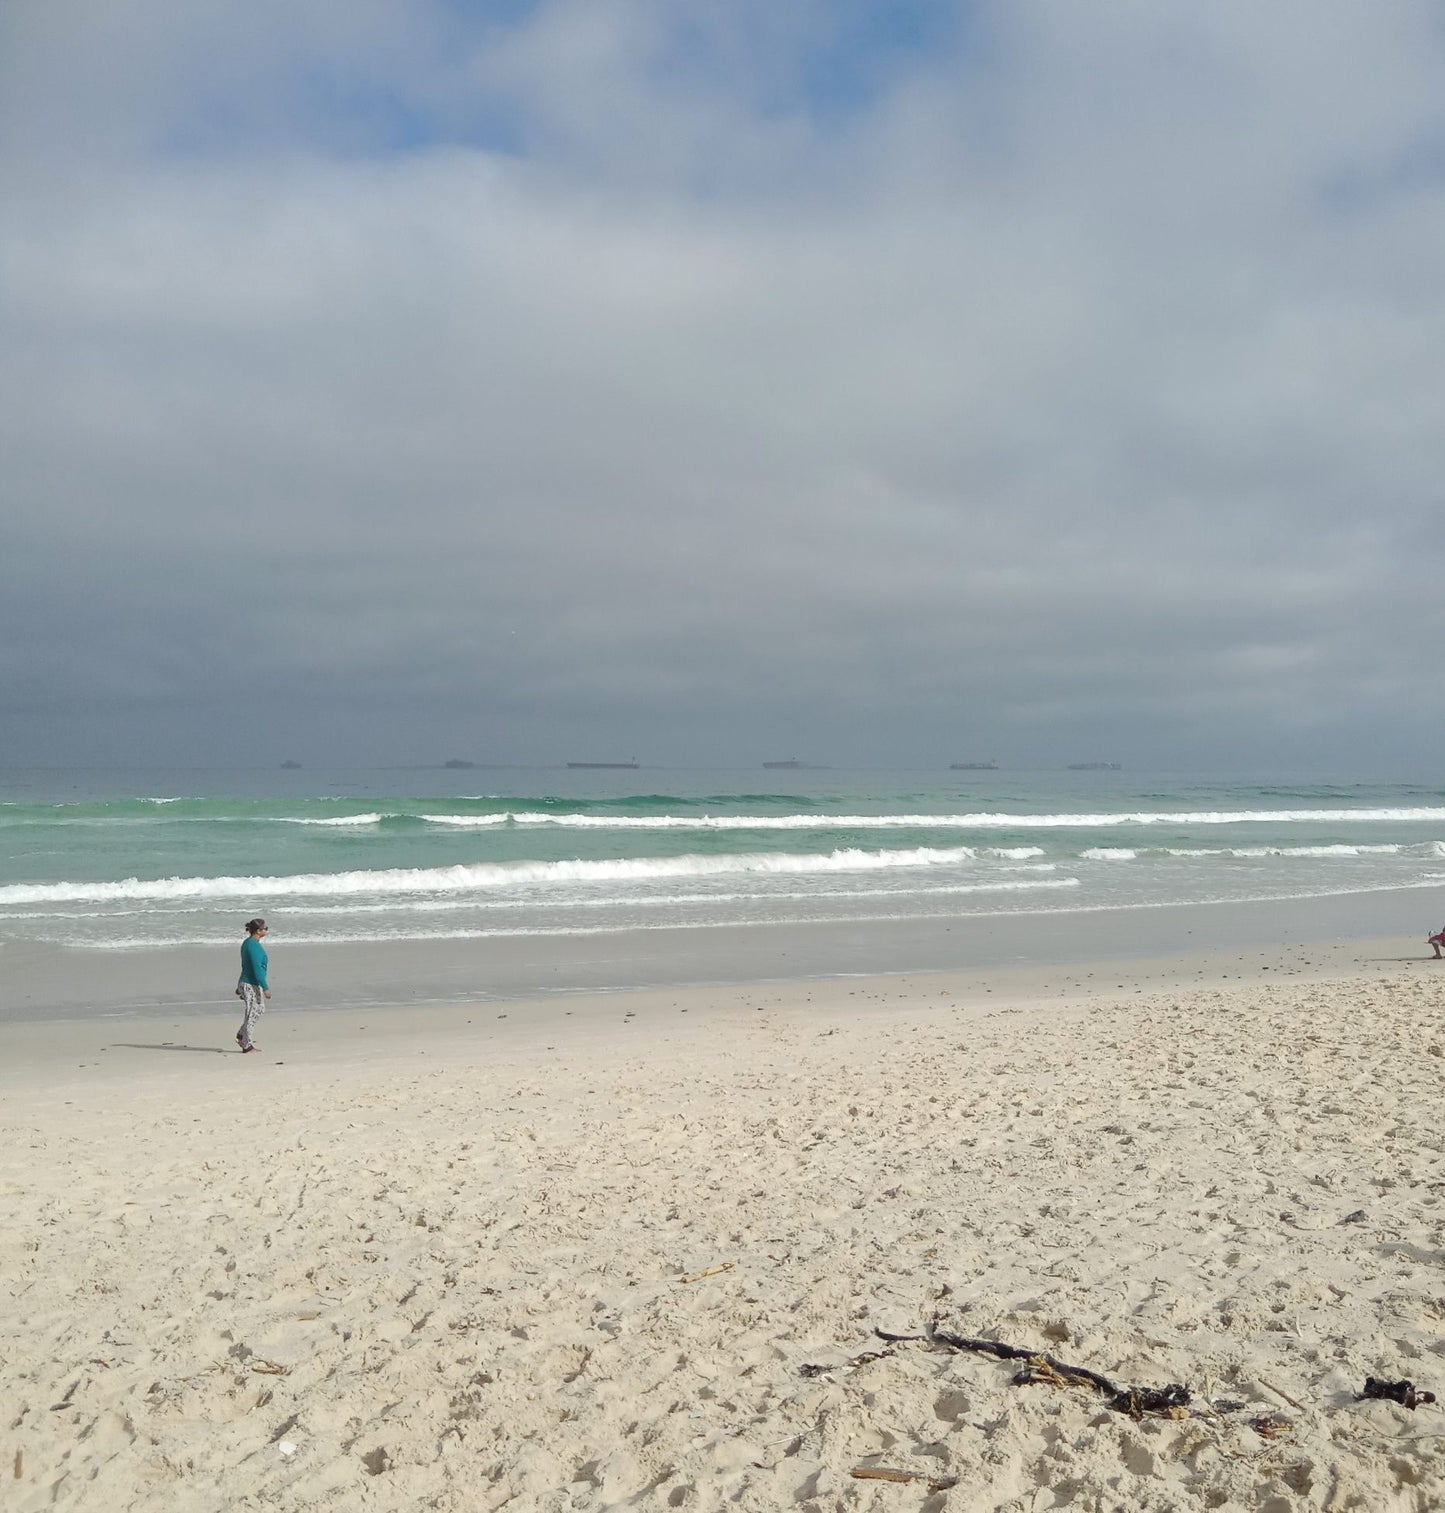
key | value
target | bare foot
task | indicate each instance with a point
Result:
(247, 1049)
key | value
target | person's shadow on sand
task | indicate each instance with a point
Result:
(167, 1045)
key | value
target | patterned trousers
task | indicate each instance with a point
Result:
(254, 1006)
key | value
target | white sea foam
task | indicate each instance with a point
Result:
(112, 820)
(409, 880)
(340, 819)
(1200, 817)
(1109, 854)
(649, 900)
(484, 905)
(467, 821)
(979, 821)
(158, 942)
(456, 932)
(1300, 851)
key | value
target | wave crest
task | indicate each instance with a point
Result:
(485, 875)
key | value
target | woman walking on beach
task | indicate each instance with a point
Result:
(252, 988)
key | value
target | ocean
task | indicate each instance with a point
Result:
(148, 860)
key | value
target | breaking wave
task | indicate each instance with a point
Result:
(406, 880)
(338, 819)
(989, 820)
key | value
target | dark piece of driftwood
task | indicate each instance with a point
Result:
(887, 1473)
(1166, 1402)
(1395, 1392)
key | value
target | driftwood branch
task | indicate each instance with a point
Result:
(887, 1473)
(1166, 1402)
(1172, 1401)
(710, 1271)
(1280, 1392)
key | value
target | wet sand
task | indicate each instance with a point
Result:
(44, 983)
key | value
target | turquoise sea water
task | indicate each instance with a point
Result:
(148, 859)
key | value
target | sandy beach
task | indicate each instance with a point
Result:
(784, 651)
(634, 1250)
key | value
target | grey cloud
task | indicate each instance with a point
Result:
(1060, 397)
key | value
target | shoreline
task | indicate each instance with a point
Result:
(41, 983)
(162, 1045)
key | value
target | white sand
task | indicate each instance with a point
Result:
(468, 1260)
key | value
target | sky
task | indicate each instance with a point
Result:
(877, 384)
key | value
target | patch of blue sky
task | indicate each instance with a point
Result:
(372, 116)
(343, 114)
(386, 120)
(837, 63)
(869, 44)
(1417, 167)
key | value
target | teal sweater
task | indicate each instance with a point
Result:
(253, 963)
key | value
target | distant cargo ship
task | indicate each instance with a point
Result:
(973, 766)
(628, 766)
(1094, 767)
(458, 765)
(792, 764)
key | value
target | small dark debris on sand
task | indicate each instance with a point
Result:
(1395, 1392)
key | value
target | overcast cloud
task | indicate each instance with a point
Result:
(712, 383)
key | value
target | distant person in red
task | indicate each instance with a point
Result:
(252, 989)
(1437, 941)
